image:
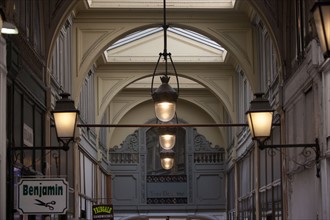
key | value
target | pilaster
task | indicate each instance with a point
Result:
(3, 134)
(325, 165)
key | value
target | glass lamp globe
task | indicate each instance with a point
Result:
(167, 159)
(167, 141)
(165, 111)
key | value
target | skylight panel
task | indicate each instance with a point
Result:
(197, 37)
(144, 45)
(183, 32)
(135, 36)
(211, 4)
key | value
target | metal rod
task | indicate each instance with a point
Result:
(165, 54)
(287, 145)
(165, 28)
(315, 147)
(176, 74)
(154, 74)
(161, 125)
(38, 148)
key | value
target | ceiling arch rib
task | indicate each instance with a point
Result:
(211, 24)
(142, 47)
(222, 86)
(127, 98)
(124, 110)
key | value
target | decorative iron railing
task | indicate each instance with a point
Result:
(124, 158)
(167, 189)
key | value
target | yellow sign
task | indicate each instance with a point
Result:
(102, 212)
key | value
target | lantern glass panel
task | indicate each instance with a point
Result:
(165, 111)
(167, 141)
(167, 163)
(260, 123)
(65, 123)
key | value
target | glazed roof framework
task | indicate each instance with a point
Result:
(159, 4)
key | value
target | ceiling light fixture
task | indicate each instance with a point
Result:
(8, 28)
(165, 97)
(260, 120)
(167, 159)
(65, 116)
(321, 14)
(167, 137)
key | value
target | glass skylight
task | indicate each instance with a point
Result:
(211, 4)
(183, 32)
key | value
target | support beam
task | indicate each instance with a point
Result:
(161, 125)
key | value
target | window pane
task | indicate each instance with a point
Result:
(38, 139)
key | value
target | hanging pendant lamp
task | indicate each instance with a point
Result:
(167, 137)
(165, 97)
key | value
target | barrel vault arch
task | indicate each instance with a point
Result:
(90, 40)
(205, 79)
(92, 37)
(125, 113)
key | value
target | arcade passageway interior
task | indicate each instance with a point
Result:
(163, 96)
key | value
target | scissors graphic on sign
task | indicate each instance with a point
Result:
(46, 204)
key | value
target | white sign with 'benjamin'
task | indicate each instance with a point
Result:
(43, 196)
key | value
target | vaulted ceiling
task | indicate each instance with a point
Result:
(121, 40)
